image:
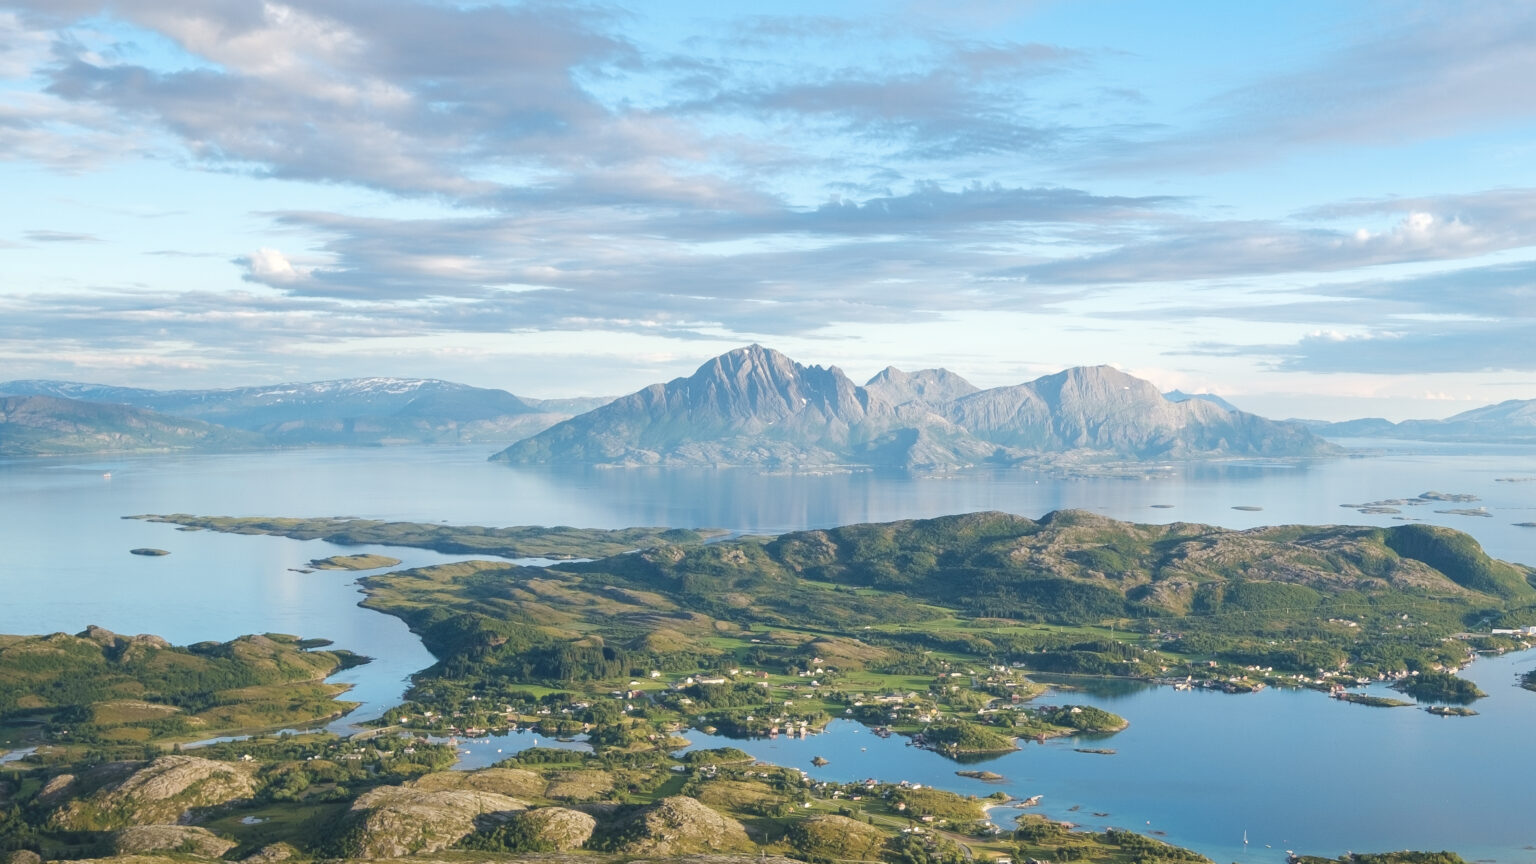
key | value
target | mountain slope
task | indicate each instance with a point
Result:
(755, 406)
(50, 426)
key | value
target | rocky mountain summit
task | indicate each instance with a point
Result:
(755, 406)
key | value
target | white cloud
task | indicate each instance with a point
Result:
(272, 267)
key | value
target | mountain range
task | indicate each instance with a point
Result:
(755, 406)
(50, 426)
(1512, 421)
(357, 411)
(751, 407)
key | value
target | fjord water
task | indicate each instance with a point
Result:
(1295, 768)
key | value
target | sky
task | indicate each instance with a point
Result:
(1313, 209)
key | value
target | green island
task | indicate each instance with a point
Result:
(1528, 680)
(924, 628)
(148, 552)
(1431, 686)
(514, 542)
(354, 562)
(99, 695)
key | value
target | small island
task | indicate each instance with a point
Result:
(1528, 680)
(1440, 687)
(354, 562)
(1055, 721)
(520, 541)
(1450, 711)
(958, 737)
(1466, 511)
(148, 552)
(1373, 701)
(988, 776)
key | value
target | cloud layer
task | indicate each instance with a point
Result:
(592, 169)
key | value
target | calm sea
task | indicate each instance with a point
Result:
(1295, 770)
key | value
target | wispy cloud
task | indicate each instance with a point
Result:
(1416, 72)
(60, 237)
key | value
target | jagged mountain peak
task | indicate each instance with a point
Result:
(760, 383)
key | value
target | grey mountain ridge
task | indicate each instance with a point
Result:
(1512, 421)
(356, 411)
(52, 426)
(755, 406)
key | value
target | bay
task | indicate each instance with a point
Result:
(1293, 769)
(1290, 767)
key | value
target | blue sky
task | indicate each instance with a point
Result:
(1314, 209)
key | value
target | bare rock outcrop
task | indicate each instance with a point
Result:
(395, 821)
(678, 825)
(164, 792)
(136, 839)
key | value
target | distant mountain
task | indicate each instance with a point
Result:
(350, 411)
(51, 426)
(755, 406)
(1181, 396)
(928, 387)
(1512, 421)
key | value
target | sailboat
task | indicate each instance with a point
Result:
(1245, 838)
